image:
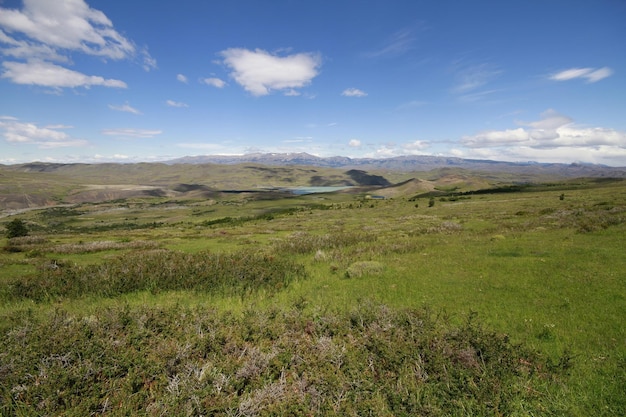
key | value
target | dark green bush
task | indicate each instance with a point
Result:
(16, 228)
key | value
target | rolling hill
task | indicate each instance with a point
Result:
(38, 184)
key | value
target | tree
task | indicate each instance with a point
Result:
(16, 228)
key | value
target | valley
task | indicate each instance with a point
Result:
(212, 289)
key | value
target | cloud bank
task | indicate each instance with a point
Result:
(552, 138)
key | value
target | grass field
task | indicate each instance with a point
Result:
(494, 303)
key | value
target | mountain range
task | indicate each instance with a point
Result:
(409, 163)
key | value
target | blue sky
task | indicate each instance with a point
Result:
(150, 80)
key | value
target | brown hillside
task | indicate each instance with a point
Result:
(406, 188)
(459, 182)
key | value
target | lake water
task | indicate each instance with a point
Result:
(314, 190)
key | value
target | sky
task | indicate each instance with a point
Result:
(152, 80)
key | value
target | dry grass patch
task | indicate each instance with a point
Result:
(102, 245)
(363, 268)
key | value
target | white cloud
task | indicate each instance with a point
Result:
(476, 96)
(149, 63)
(59, 126)
(67, 25)
(45, 31)
(392, 149)
(589, 137)
(132, 133)
(182, 78)
(553, 138)
(541, 133)
(592, 75)
(550, 119)
(214, 82)
(51, 75)
(173, 103)
(385, 152)
(400, 42)
(418, 145)
(599, 74)
(355, 143)
(470, 77)
(291, 93)
(609, 155)
(496, 138)
(260, 72)
(125, 108)
(47, 137)
(22, 49)
(570, 74)
(353, 92)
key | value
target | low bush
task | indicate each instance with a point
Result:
(587, 219)
(372, 360)
(28, 240)
(304, 242)
(25, 244)
(159, 270)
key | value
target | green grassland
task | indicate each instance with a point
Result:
(507, 300)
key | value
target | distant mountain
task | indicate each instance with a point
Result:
(279, 159)
(409, 163)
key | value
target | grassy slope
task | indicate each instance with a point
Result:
(49, 184)
(546, 271)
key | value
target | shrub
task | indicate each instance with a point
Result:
(372, 360)
(16, 228)
(160, 270)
